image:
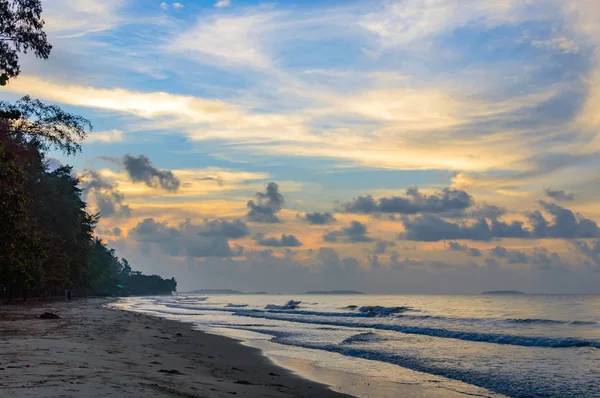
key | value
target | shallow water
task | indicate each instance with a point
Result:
(519, 346)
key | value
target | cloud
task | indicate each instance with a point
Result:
(229, 229)
(590, 250)
(490, 212)
(381, 246)
(196, 117)
(331, 261)
(164, 6)
(186, 240)
(105, 136)
(499, 251)
(414, 202)
(517, 257)
(491, 263)
(223, 3)
(70, 19)
(566, 224)
(284, 241)
(178, 6)
(140, 169)
(559, 194)
(266, 206)
(356, 232)
(430, 228)
(217, 179)
(226, 41)
(562, 44)
(319, 218)
(471, 251)
(406, 23)
(514, 229)
(541, 259)
(108, 199)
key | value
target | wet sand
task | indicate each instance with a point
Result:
(94, 351)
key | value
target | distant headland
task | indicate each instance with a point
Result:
(219, 291)
(504, 292)
(333, 292)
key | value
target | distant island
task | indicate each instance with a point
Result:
(219, 291)
(213, 291)
(333, 292)
(504, 292)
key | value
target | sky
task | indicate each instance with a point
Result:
(432, 146)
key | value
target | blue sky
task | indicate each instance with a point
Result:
(332, 101)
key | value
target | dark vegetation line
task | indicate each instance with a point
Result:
(47, 240)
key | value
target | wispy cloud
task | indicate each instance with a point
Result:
(227, 41)
(105, 136)
(69, 19)
(223, 3)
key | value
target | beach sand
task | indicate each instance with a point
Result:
(94, 351)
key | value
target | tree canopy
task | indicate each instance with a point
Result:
(21, 27)
(47, 243)
(47, 240)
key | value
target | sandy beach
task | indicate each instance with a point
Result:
(94, 351)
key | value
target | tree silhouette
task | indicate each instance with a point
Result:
(21, 26)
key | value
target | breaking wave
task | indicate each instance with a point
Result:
(376, 310)
(495, 338)
(361, 338)
(290, 305)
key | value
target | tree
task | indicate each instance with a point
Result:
(31, 121)
(21, 27)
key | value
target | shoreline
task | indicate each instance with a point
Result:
(353, 376)
(98, 351)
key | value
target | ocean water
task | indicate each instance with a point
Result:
(484, 345)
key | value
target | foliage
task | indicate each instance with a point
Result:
(21, 26)
(31, 121)
(47, 241)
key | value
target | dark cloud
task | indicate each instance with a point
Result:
(515, 229)
(356, 232)
(319, 218)
(559, 194)
(413, 203)
(284, 241)
(373, 261)
(543, 260)
(491, 263)
(331, 261)
(590, 250)
(381, 246)
(517, 257)
(140, 169)
(108, 199)
(511, 256)
(116, 231)
(491, 212)
(186, 240)
(266, 206)
(430, 228)
(229, 229)
(565, 225)
(216, 179)
(499, 251)
(471, 251)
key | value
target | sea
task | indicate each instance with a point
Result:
(525, 346)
